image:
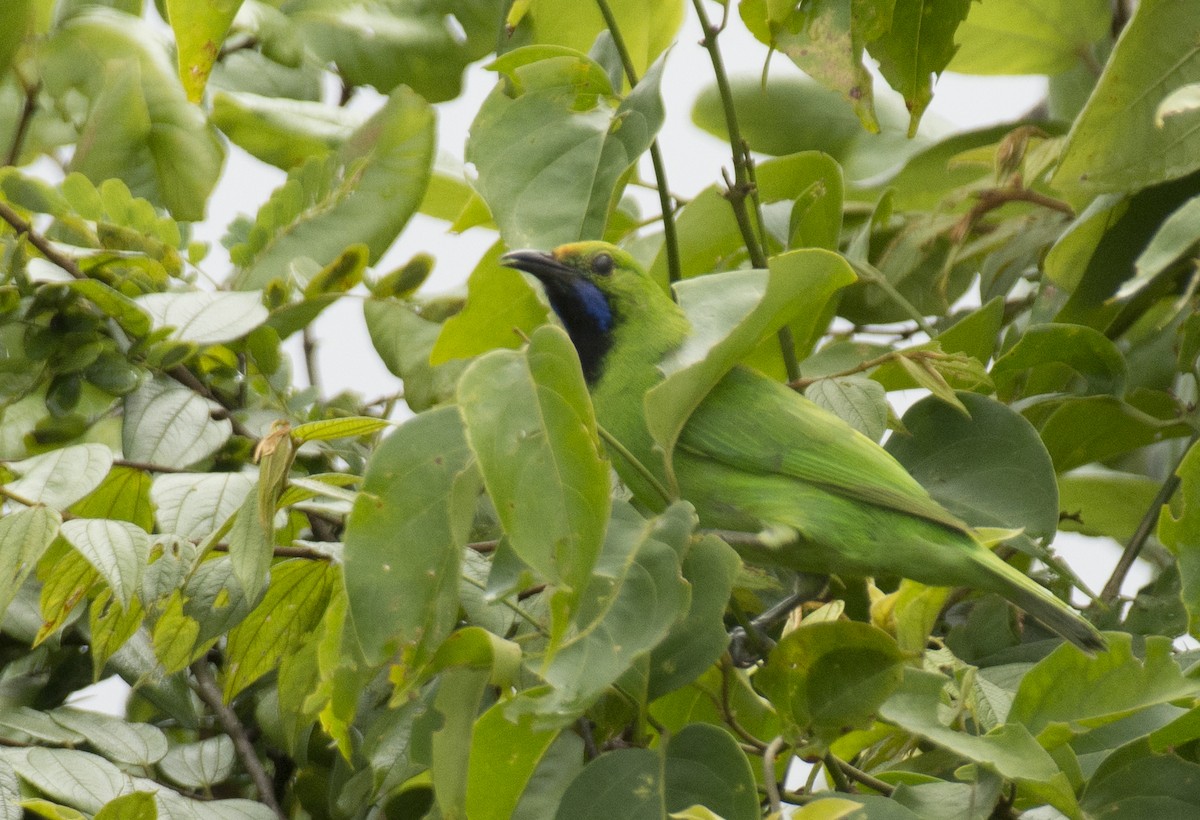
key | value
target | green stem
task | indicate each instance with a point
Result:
(641, 468)
(1149, 521)
(743, 184)
(670, 236)
(772, 785)
(870, 273)
(835, 773)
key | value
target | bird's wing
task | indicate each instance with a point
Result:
(754, 423)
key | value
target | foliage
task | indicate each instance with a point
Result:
(324, 614)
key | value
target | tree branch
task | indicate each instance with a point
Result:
(670, 237)
(769, 779)
(206, 687)
(743, 185)
(1112, 589)
(27, 112)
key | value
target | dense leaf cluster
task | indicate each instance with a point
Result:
(322, 616)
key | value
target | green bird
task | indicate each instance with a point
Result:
(756, 455)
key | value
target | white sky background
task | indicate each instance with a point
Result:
(347, 361)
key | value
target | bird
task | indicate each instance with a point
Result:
(757, 456)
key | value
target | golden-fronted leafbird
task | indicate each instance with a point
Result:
(755, 455)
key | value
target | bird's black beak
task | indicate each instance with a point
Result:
(542, 265)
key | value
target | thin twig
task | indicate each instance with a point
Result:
(147, 466)
(1112, 589)
(310, 358)
(835, 773)
(670, 237)
(727, 709)
(27, 112)
(870, 364)
(40, 242)
(859, 776)
(633, 462)
(769, 779)
(206, 687)
(287, 552)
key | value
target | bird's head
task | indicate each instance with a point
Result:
(595, 288)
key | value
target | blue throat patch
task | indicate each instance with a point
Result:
(588, 317)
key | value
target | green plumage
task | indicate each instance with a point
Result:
(757, 455)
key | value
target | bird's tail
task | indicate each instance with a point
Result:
(1040, 603)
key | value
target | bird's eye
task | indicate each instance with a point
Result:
(603, 264)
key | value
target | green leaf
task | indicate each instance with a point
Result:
(459, 693)
(346, 427)
(111, 626)
(807, 185)
(990, 470)
(393, 42)
(496, 783)
(76, 778)
(1047, 350)
(630, 778)
(634, 597)
(279, 131)
(1133, 785)
(24, 537)
(825, 39)
(10, 794)
(59, 478)
(121, 741)
(140, 127)
(404, 341)
(500, 306)
(199, 765)
(1009, 750)
(647, 28)
(530, 423)
(405, 534)
(950, 801)
(166, 423)
(827, 677)
(363, 193)
(128, 314)
(132, 806)
(856, 400)
(124, 495)
(285, 618)
(194, 505)
(697, 641)
(1111, 685)
(705, 767)
(741, 309)
(791, 115)
(252, 542)
(117, 549)
(203, 317)
(919, 46)
(1029, 36)
(1104, 502)
(550, 149)
(1175, 239)
(200, 30)
(1114, 144)
(1089, 429)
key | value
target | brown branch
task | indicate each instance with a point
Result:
(1112, 589)
(40, 242)
(287, 552)
(206, 687)
(27, 112)
(147, 466)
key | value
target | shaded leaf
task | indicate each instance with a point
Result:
(166, 423)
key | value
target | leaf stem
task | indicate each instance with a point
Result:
(1112, 589)
(858, 775)
(641, 468)
(840, 782)
(870, 273)
(670, 236)
(206, 687)
(769, 780)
